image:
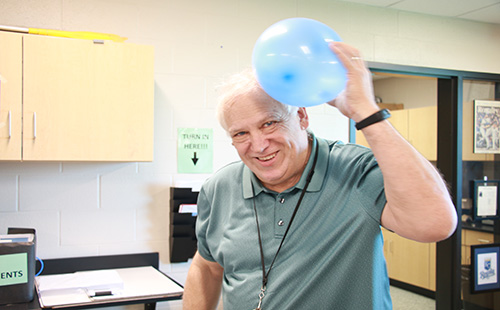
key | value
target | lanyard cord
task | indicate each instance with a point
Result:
(308, 180)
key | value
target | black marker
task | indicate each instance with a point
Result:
(102, 293)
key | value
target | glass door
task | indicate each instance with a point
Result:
(480, 183)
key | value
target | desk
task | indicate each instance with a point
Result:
(70, 265)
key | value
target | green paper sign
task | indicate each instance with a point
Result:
(194, 150)
(13, 269)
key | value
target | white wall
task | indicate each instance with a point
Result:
(412, 92)
(82, 209)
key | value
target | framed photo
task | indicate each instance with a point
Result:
(485, 202)
(485, 264)
(486, 126)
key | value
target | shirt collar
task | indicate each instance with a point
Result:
(316, 181)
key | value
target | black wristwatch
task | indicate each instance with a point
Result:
(374, 118)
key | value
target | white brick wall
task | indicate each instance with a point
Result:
(82, 209)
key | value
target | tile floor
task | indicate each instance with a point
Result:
(405, 300)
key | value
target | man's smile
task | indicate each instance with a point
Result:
(268, 157)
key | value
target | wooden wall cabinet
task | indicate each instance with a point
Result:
(81, 100)
(473, 237)
(422, 131)
(409, 261)
(11, 65)
(417, 126)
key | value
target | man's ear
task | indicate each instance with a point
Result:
(303, 118)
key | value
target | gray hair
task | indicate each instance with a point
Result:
(241, 85)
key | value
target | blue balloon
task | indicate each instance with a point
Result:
(294, 65)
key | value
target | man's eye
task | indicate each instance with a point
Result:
(239, 134)
(270, 123)
(239, 137)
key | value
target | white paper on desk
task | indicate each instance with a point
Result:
(95, 279)
(72, 288)
(147, 281)
(137, 283)
(63, 297)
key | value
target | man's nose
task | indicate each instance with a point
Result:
(259, 143)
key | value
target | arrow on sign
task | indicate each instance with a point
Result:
(194, 159)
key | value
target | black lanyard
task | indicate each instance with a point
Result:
(264, 274)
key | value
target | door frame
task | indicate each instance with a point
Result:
(449, 163)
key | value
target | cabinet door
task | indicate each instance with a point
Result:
(87, 101)
(398, 119)
(409, 261)
(419, 127)
(472, 237)
(423, 131)
(432, 266)
(10, 95)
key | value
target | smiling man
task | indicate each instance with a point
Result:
(296, 224)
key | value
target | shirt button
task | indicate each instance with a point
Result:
(282, 200)
(281, 223)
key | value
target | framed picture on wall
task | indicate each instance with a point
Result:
(486, 199)
(486, 126)
(485, 264)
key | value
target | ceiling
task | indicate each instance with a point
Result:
(487, 11)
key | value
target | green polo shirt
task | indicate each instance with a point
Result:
(332, 257)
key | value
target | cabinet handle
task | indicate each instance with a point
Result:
(388, 245)
(10, 124)
(484, 241)
(34, 125)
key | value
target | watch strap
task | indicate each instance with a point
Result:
(374, 118)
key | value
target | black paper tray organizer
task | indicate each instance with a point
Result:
(182, 224)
